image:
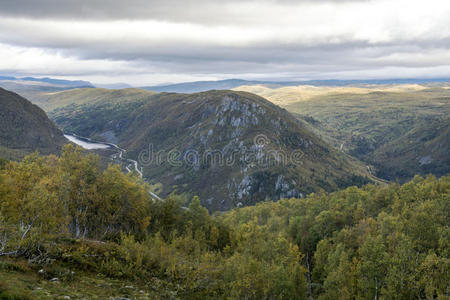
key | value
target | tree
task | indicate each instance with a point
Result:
(372, 267)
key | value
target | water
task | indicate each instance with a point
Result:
(85, 144)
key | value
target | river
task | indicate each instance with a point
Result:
(91, 145)
(86, 144)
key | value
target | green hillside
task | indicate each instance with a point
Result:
(24, 128)
(231, 148)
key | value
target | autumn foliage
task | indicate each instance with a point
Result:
(372, 242)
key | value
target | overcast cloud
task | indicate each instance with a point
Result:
(145, 42)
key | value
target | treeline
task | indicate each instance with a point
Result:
(372, 242)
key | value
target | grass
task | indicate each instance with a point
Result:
(20, 281)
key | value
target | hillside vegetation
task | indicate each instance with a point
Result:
(69, 229)
(24, 128)
(401, 130)
(231, 148)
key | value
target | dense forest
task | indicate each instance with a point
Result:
(64, 218)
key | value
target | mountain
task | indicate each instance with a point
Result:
(24, 128)
(52, 81)
(230, 148)
(400, 130)
(227, 84)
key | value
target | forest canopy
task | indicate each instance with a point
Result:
(390, 241)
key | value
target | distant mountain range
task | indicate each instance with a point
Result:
(33, 88)
(52, 81)
(201, 86)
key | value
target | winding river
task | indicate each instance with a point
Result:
(89, 144)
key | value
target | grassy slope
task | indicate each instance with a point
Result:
(371, 123)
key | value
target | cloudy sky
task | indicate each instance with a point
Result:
(145, 42)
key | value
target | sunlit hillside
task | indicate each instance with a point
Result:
(290, 94)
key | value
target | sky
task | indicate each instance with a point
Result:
(144, 42)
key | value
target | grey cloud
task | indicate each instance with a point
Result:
(300, 56)
(196, 11)
(263, 59)
(107, 9)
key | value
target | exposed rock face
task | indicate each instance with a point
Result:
(425, 160)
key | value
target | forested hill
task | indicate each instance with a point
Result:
(24, 128)
(69, 229)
